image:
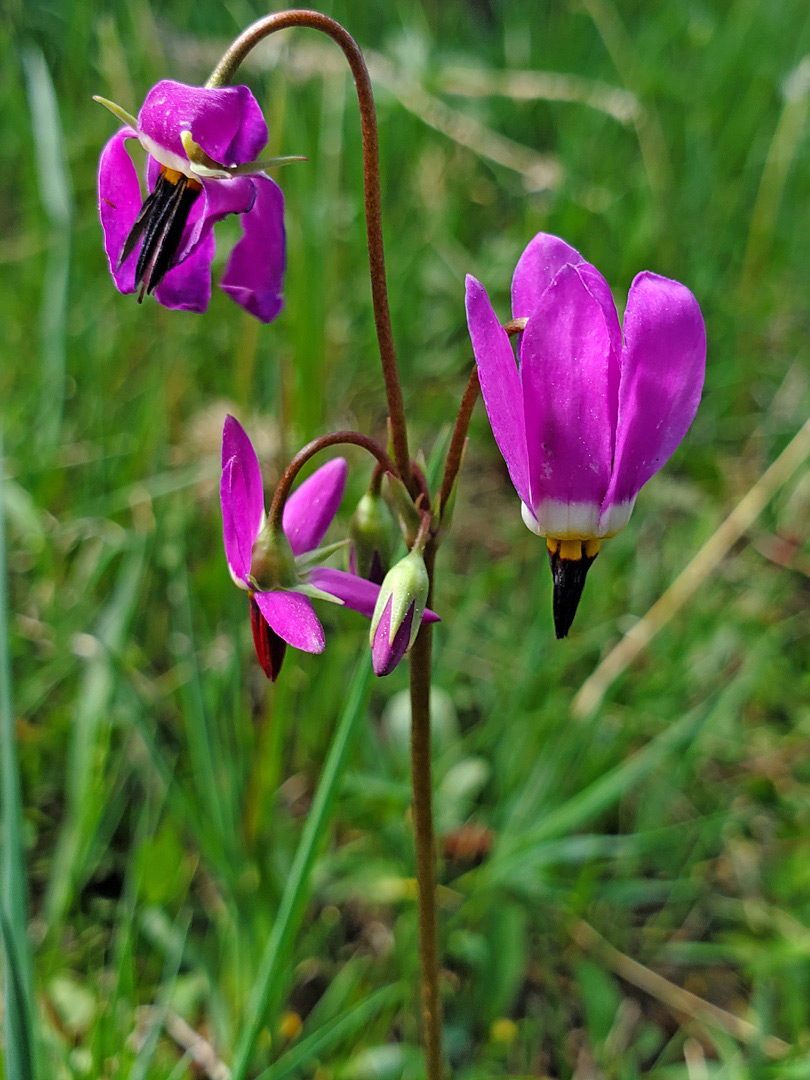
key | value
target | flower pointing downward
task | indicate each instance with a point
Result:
(202, 164)
(280, 570)
(589, 414)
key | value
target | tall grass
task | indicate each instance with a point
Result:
(166, 787)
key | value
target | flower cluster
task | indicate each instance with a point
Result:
(587, 414)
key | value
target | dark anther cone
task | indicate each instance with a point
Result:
(569, 581)
(160, 224)
(270, 648)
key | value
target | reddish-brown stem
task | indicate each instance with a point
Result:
(222, 75)
(459, 439)
(424, 839)
(336, 438)
(456, 451)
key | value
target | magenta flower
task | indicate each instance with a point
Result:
(201, 147)
(281, 574)
(586, 417)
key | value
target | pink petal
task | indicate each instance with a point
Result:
(537, 267)
(565, 370)
(355, 592)
(187, 286)
(219, 198)
(500, 384)
(236, 444)
(662, 369)
(226, 122)
(384, 655)
(309, 511)
(119, 200)
(236, 537)
(293, 618)
(255, 272)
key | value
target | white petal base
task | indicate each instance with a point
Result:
(576, 521)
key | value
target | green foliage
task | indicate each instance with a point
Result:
(165, 784)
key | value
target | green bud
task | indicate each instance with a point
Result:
(372, 532)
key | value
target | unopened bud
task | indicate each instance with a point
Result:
(398, 612)
(372, 531)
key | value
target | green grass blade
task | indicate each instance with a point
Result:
(87, 784)
(17, 977)
(55, 193)
(274, 963)
(171, 969)
(325, 1038)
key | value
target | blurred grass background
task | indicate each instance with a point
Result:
(656, 843)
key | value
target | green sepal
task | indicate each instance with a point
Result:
(207, 169)
(403, 504)
(309, 559)
(315, 593)
(117, 111)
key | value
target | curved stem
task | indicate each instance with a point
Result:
(455, 452)
(424, 839)
(222, 75)
(335, 438)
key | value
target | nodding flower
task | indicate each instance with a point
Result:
(281, 570)
(589, 413)
(202, 164)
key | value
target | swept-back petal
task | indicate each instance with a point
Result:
(600, 290)
(311, 508)
(537, 267)
(255, 272)
(500, 384)
(293, 618)
(565, 371)
(662, 370)
(219, 198)
(226, 122)
(235, 533)
(355, 592)
(187, 286)
(119, 200)
(236, 444)
(309, 511)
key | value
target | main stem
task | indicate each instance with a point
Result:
(223, 73)
(424, 840)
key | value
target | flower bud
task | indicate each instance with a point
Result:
(272, 563)
(398, 612)
(372, 534)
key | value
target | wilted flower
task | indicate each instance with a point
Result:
(202, 148)
(586, 419)
(280, 572)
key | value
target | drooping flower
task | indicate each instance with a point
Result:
(588, 415)
(202, 164)
(280, 573)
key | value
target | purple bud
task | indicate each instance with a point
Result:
(386, 655)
